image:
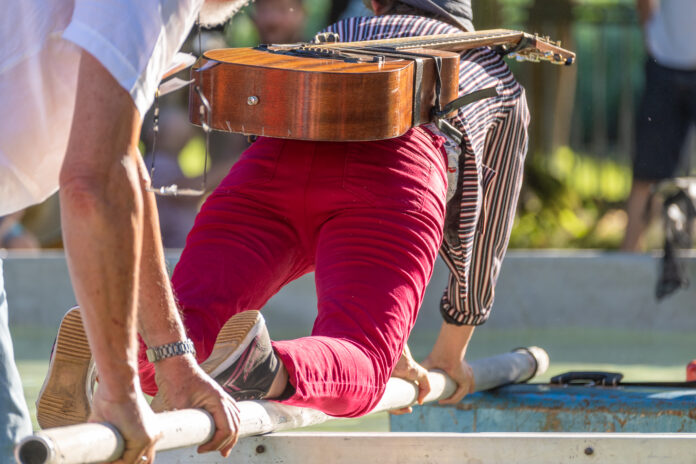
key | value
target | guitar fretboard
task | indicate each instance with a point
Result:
(439, 42)
(526, 46)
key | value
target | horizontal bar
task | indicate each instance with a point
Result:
(445, 448)
(87, 443)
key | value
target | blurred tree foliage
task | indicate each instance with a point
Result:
(570, 198)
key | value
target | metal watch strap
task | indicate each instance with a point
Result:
(157, 353)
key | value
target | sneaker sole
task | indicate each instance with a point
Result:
(233, 338)
(65, 396)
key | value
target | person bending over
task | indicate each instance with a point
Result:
(77, 78)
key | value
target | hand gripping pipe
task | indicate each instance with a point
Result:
(92, 443)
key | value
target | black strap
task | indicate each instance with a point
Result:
(449, 130)
(610, 379)
(464, 100)
(527, 41)
(439, 116)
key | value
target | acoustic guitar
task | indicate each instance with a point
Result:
(344, 91)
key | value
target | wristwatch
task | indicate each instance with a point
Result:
(157, 353)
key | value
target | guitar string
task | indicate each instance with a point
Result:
(427, 40)
(553, 53)
(558, 56)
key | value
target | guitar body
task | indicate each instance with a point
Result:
(345, 91)
(260, 92)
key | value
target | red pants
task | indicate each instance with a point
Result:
(366, 217)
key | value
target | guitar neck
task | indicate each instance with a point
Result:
(527, 46)
(449, 42)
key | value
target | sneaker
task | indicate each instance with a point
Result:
(66, 395)
(243, 361)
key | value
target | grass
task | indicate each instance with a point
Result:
(640, 356)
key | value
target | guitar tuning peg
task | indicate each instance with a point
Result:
(326, 37)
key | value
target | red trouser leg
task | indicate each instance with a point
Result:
(368, 216)
(370, 283)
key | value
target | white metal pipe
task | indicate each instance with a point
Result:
(88, 443)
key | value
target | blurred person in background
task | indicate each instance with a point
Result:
(13, 235)
(279, 21)
(668, 109)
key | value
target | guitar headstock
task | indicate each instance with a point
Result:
(536, 48)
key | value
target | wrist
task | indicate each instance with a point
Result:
(176, 364)
(170, 350)
(451, 344)
(444, 360)
(119, 389)
(171, 371)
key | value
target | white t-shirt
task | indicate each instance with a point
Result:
(40, 43)
(670, 34)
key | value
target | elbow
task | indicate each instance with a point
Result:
(89, 190)
(81, 193)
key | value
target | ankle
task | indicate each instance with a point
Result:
(280, 383)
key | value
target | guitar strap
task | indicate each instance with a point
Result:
(454, 203)
(526, 41)
(205, 111)
(445, 126)
(438, 117)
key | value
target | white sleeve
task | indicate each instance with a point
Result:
(135, 40)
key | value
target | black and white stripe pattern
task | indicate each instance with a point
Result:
(493, 151)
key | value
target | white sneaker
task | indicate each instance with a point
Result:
(66, 395)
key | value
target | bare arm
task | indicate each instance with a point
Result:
(645, 8)
(160, 323)
(102, 217)
(108, 224)
(448, 355)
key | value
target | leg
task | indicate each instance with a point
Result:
(639, 210)
(661, 129)
(504, 153)
(14, 417)
(373, 262)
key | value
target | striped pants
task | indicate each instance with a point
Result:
(490, 176)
